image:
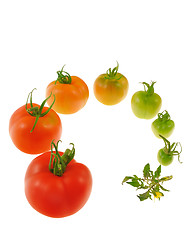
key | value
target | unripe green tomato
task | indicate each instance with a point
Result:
(164, 128)
(164, 158)
(146, 104)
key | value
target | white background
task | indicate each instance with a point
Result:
(148, 39)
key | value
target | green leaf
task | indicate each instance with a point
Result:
(157, 172)
(136, 177)
(151, 173)
(146, 171)
(161, 193)
(134, 183)
(126, 179)
(144, 196)
(154, 193)
(166, 178)
(144, 186)
(156, 188)
(164, 189)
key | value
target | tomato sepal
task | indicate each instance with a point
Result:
(63, 78)
(111, 74)
(150, 88)
(37, 111)
(58, 163)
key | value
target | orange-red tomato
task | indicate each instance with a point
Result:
(111, 88)
(38, 139)
(48, 127)
(71, 93)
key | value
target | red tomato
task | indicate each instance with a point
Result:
(71, 93)
(37, 140)
(57, 196)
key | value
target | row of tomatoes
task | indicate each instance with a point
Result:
(55, 184)
(67, 95)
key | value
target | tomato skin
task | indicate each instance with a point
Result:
(165, 128)
(48, 127)
(110, 91)
(56, 196)
(164, 158)
(145, 106)
(70, 98)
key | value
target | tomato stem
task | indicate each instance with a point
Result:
(57, 163)
(170, 149)
(164, 116)
(150, 88)
(111, 74)
(63, 78)
(36, 111)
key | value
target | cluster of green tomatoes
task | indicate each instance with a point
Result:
(146, 105)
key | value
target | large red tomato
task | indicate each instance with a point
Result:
(32, 127)
(57, 187)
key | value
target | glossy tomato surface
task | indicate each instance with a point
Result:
(70, 97)
(57, 196)
(164, 158)
(48, 127)
(163, 125)
(145, 106)
(111, 91)
(163, 128)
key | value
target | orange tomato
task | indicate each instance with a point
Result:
(111, 88)
(71, 93)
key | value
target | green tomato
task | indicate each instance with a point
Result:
(163, 125)
(164, 158)
(146, 104)
(165, 155)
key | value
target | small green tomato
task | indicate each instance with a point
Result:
(165, 155)
(163, 125)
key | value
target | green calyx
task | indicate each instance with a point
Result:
(151, 183)
(111, 73)
(63, 77)
(37, 111)
(164, 116)
(150, 88)
(170, 149)
(57, 163)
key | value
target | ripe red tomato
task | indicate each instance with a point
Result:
(71, 93)
(60, 190)
(111, 88)
(32, 127)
